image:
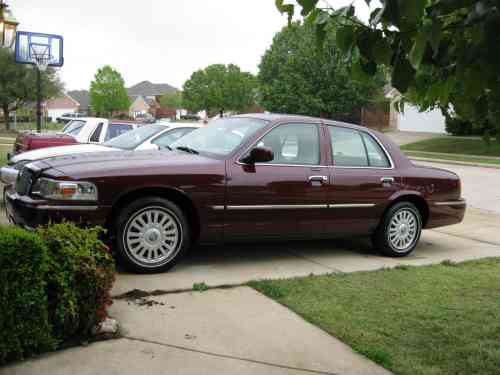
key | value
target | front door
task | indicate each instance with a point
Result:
(283, 197)
(362, 180)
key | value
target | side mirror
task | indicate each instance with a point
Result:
(258, 155)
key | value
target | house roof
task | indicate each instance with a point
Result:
(146, 88)
(82, 97)
(63, 101)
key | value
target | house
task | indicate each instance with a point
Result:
(412, 120)
(145, 97)
(77, 101)
(57, 107)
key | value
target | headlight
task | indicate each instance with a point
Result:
(64, 190)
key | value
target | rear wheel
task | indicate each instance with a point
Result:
(399, 231)
(152, 234)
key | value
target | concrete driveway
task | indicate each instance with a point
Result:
(403, 138)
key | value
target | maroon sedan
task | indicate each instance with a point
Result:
(244, 177)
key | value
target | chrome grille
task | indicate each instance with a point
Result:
(24, 181)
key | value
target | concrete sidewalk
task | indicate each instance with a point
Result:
(232, 331)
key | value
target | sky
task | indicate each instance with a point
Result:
(162, 41)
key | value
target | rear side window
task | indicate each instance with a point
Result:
(376, 156)
(74, 127)
(97, 133)
(352, 148)
(114, 130)
(348, 148)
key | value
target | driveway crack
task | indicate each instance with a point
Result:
(300, 256)
(467, 238)
(226, 356)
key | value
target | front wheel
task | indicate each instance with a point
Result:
(152, 234)
(399, 231)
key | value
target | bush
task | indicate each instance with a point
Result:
(54, 285)
(80, 276)
(24, 323)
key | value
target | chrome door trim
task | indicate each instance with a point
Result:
(451, 203)
(270, 207)
(292, 206)
(68, 208)
(352, 205)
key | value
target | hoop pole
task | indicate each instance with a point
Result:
(38, 100)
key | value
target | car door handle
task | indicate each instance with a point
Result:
(320, 179)
(387, 180)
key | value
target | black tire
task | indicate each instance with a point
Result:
(155, 236)
(382, 237)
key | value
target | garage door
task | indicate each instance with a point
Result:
(414, 121)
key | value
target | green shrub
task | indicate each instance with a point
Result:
(24, 323)
(80, 276)
(457, 126)
(54, 286)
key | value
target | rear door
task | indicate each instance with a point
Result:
(361, 180)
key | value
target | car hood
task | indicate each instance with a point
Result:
(120, 163)
(49, 152)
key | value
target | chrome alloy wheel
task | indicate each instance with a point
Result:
(152, 236)
(403, 230)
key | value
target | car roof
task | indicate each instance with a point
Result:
(280, 117)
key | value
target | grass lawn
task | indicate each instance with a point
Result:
(452, 145)
(3, 154)
(440, 319)
(485, 160)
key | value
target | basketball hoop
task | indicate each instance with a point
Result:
(40, 53)
(42, 50)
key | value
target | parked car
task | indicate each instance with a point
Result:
(67, 117)
(149, 137)
(240, 178)
(82, 130)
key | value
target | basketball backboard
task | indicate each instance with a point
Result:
(39, 49)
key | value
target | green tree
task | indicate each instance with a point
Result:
(108, 93)
(219, 88)
(172, 100)
(441, 53)
(297, 77)
(18, 84)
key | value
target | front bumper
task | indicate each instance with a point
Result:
(29, 213)
(8, 175)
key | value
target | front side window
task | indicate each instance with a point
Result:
(74, 127)
(167, 138)
(293, 144)
(220, 137)
(115, 130)
(347, 147)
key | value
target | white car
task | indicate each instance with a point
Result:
(97, 130)
(147, 137)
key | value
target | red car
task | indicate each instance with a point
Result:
(80, 130)
(240, 178)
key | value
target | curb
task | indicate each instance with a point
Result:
(464, 163)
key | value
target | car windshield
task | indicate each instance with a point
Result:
(220, 137)
(74, 127)
(134, 138)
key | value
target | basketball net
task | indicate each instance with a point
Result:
(41, 55)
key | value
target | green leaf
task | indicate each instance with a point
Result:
(307, 6)
(320, 31)
(412, 11)
(322, 18)
(359, 73)
(369, 67)
(285, 8)
(418, 50)
(382, 52)
(435, 35)
(345, 38)
(402, 75)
